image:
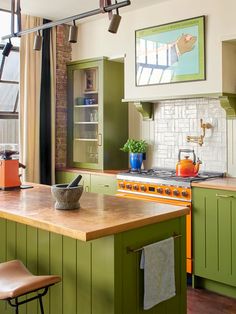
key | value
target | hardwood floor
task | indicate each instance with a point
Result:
(203, 302)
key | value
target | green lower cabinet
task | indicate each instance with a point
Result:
(66, 177)
(99, 276)
(214, 239)
(103, 184)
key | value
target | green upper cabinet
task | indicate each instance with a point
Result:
(97, 118)
(214, 235)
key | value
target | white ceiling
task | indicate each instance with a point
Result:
(54, 9)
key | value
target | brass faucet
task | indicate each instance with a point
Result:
(199, 139)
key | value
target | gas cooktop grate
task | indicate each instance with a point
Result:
(167, 174)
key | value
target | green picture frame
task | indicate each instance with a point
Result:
(171, 53)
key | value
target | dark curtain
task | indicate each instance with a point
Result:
(45, 111)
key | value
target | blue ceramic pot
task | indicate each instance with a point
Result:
(135, 160)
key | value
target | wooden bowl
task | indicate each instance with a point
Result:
(66, 198)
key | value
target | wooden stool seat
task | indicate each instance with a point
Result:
(16, 280)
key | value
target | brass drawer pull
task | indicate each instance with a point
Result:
(225, 196)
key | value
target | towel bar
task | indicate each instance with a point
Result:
(130, 250)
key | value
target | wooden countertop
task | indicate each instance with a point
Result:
(99, 215)
(220, 183)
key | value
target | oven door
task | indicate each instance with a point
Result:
(188, 220)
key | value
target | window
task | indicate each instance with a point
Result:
(9, 84)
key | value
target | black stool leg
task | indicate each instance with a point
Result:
(17, 309)
(41, 304)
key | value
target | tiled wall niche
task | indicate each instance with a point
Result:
(173, 121)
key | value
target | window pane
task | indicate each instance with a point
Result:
(8, 94)
(9, 131)
(11, 67)
(5, 28)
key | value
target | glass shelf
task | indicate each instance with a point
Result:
(86, 122)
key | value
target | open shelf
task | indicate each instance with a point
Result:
(86, 106)
(86, 122)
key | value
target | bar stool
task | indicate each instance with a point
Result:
(16, 281)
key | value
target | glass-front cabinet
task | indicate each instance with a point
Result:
(97, 118)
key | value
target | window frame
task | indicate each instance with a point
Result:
(9, 114)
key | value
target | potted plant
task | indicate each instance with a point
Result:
(136, 150)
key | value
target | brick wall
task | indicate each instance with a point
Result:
(63, 55)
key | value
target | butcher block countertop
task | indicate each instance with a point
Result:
(99, 215)
(220, 183)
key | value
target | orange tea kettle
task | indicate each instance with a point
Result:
(187, 167)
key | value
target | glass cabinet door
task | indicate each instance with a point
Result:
(87, 138)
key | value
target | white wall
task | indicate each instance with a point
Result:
(94, 40)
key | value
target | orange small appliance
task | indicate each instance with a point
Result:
(9, 170)
(187, 167)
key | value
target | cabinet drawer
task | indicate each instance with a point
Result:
(103, 184)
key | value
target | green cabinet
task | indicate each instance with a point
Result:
(97, 118)
(103, 184)
(92, 182)
(214, 236)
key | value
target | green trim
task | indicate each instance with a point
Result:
(229, 104)
(146, 109)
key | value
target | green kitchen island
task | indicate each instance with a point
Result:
(89, 248)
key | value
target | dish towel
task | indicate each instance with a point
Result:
(157, 260)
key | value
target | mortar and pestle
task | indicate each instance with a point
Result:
(67, 195)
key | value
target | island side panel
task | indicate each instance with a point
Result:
(132, 287)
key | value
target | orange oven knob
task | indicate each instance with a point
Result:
(143, 188)
(135, 187)
(159, 190)
(176, 192)
(122, 185)
(129, 186)
(167, 191)
(184, 193)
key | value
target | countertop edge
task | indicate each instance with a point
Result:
(87, 236)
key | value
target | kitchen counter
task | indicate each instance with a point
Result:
(91, 248)
(219, 183)
(99, 215)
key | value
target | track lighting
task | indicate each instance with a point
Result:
(73, 32)
(7, 48)
(37, 41)
(115, 22)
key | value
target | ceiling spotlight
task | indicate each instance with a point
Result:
(73, 32)
(115, 22)
(7, 48)
(37, 41)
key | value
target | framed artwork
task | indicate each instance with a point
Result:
(90, 80)
(171, 53)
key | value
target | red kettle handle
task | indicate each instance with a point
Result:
(188, 151)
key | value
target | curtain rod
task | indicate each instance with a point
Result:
(106, 9)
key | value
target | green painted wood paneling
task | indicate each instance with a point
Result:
(55, 266)
(214, 235)
(98, 277)
(133, 276)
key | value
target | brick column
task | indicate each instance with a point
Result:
(63, 55)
